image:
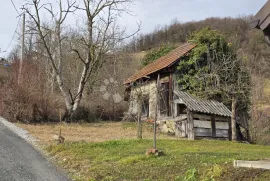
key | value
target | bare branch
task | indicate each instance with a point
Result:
(79, 56)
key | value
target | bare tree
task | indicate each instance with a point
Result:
(14, 54)
(101, 36)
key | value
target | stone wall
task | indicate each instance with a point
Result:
(150, 90)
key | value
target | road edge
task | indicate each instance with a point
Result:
(25, 135)
(19, 131)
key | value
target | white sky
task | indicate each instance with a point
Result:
(150, 12)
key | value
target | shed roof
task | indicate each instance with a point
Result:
(203, 106)
(262, 18)
(162, 62)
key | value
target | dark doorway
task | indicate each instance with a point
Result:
(145, 106)
(164, 99)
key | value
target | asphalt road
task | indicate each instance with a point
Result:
(19, 161)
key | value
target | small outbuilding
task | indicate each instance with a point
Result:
(178, 112)
(195, 118)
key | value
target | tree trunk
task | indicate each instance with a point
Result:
(81, 87)
(233, 120)
(68, 116)
(72, 103)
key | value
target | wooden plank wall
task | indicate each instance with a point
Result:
(181, 126)
(211, 126)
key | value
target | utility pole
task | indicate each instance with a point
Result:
(22, 47)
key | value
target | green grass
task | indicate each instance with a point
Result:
(183, 160)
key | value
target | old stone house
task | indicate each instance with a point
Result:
(178, 112)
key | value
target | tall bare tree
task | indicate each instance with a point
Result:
(99, 37)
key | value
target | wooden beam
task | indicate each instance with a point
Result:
(217, 118)
(207, 124)
(156, 112)
(170, 95)
(222, 133)
(202, 132)
(230, 130)
(222, 125)
(191, 135)
(202, 124)
(180, 118)
(213, 126)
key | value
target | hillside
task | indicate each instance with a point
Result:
(178, 32)
(250, 43)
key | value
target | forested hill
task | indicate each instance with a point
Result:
(178, 32)
(249, 42)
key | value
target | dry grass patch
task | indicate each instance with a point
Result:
(90, 132)
(267, 87)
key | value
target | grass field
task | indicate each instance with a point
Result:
(126, 160)
(110, 151)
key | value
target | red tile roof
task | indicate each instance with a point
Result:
(162, 62)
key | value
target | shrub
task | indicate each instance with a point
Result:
(157, 53)
(28, 100)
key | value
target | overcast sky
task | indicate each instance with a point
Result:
(150, 12)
